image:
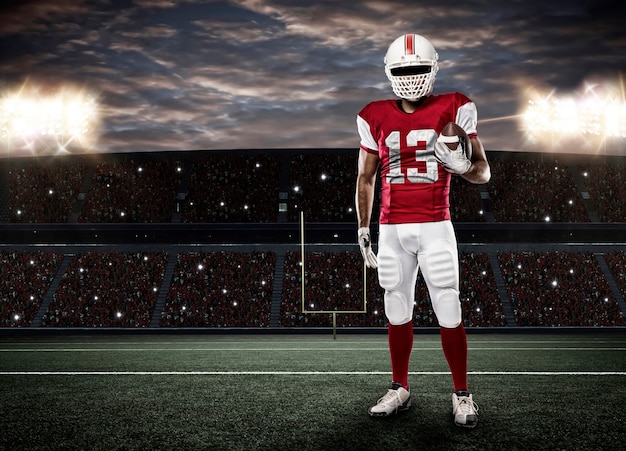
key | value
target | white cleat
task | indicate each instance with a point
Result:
(464, 409)
(397, 399)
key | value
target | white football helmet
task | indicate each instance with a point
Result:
(411, 66)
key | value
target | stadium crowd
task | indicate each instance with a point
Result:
(479, 294)
(25, 278)
(534, 191)
(44, 194)
(233, 188)
(322, 186)
(325, 191)
(607, 187)
(559, 289)
(233, 289)
(107, 290)
(466, 204)
(125, 192)
(617, 265)
(220, 289)
(334, 282)
(246, 188)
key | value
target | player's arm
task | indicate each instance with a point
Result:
(479, 171)
(365, 185)
(364, 200)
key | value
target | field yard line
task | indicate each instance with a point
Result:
(338, 343)
(302, 373)
(226, 349)
(194, 349)
(309, 342)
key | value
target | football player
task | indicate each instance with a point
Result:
(401, 137)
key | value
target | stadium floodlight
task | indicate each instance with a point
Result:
(596, 114)
(33, 121)
(571, 116)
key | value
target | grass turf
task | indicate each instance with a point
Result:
(276, 409)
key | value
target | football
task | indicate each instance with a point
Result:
(453, 136)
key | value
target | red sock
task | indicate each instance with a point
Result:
(454, 343)
(400, 346)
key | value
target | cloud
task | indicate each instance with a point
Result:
(270, 73)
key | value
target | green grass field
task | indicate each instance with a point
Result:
(301, 392)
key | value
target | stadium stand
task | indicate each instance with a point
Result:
(125, 192)
(73, 201)
(534, 191)
(325, 192)
(25, 279)
(220, 289)
(466, 203)
(606, 185)
(617, 265)
(44, 194)
(559, 289)
(482, 307)
(107, 290)
(334, 281)
(233, 188)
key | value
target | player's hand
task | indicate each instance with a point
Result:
(365, 244)
(454, 161)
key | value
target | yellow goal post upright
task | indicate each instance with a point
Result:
(326, 312)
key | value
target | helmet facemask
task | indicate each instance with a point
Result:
(412, 82)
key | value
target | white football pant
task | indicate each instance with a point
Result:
(431, 247)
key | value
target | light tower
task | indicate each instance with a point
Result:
(587, 120)
(34, 123)
(43, 124)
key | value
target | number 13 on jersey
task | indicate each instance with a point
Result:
(422, 144)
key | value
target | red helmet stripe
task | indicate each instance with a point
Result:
(408, 43)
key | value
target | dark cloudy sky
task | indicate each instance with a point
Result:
(190, 74)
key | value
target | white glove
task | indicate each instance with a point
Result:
(365, 244)
(454, 161)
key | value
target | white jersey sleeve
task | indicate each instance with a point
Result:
(367, 140)
(467, 117)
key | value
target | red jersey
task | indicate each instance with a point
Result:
(414, 187)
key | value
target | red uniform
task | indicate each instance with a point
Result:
(415, 231)
(415, 188)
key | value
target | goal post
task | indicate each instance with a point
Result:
(303, 285)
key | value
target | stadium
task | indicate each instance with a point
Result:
(185, 264)
(227, 229)
(127, 321)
